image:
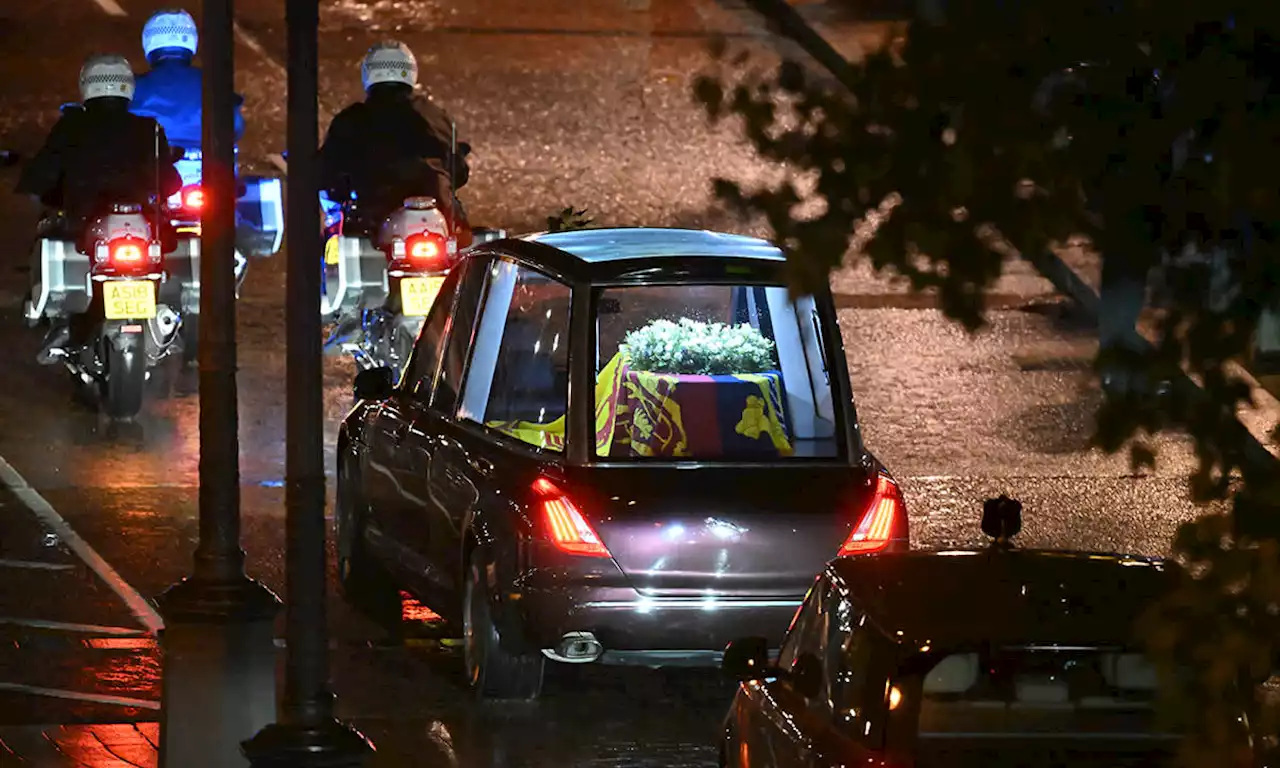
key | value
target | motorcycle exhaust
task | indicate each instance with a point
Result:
(165, 324)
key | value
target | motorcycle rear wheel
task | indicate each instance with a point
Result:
(123, 380)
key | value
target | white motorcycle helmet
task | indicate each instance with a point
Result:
(389, 62)
(106, 76)
(168, 30)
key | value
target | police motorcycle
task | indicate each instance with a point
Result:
(378, 288)
(119, 296)
(113, 293)
(259, 232)
(381, 281)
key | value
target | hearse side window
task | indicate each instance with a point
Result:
(518, 380)
(420, 371)
(461, 327)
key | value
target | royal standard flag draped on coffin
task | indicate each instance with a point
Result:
(640, 413)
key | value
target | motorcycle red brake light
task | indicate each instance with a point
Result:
(427, 250)
(127, 252)
(568, 529)
(876, 528)
(193, 198)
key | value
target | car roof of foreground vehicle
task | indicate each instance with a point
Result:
(1008, 597)
(625, 243)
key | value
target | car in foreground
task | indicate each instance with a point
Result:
(621, 446)
(957, 659)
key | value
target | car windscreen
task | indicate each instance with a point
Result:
(1038, 706)
(711, 373)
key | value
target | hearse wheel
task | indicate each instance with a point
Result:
(365, 584)
(492, 672)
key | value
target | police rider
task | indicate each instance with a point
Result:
(97, 154)
(171, 92)
(393, 145)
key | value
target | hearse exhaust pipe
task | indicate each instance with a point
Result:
(575, 648)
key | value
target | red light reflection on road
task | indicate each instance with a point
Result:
(120, 643)
(413, 611)
(131, 668)
(108, 746)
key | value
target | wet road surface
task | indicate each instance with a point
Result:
(585, 106)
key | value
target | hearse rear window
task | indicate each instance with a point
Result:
(711, 373)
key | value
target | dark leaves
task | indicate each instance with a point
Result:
(1011, 127)
(568, 219)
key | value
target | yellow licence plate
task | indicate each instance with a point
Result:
(129, 299)
(417, 294)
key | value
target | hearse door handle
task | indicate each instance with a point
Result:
(482, 467)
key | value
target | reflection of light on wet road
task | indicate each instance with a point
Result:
(132, 671)
(109, 746)
(439, 735)
(414, 612)
(120, 643)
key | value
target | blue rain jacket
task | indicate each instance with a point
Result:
(171, 93)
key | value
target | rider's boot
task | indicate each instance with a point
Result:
(54, 345)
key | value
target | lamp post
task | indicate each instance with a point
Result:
(307, 733)
(219, 656)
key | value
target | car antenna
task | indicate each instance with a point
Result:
(453, 171)
(1002, 520)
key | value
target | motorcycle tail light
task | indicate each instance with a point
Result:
(127, 252)
(568, 529)
(877, 527)
(193, 198)
(426, 251)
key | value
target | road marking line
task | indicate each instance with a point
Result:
(252, 44)
(96, 698)
(138, 605)
(66, 626)
(111, 7)
(36, 565)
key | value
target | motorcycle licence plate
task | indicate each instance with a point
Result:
(417, 294)
(129, 299)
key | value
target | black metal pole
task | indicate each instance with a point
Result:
(218, 556)
(307, 734)
(219, 683)
(307, 700)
